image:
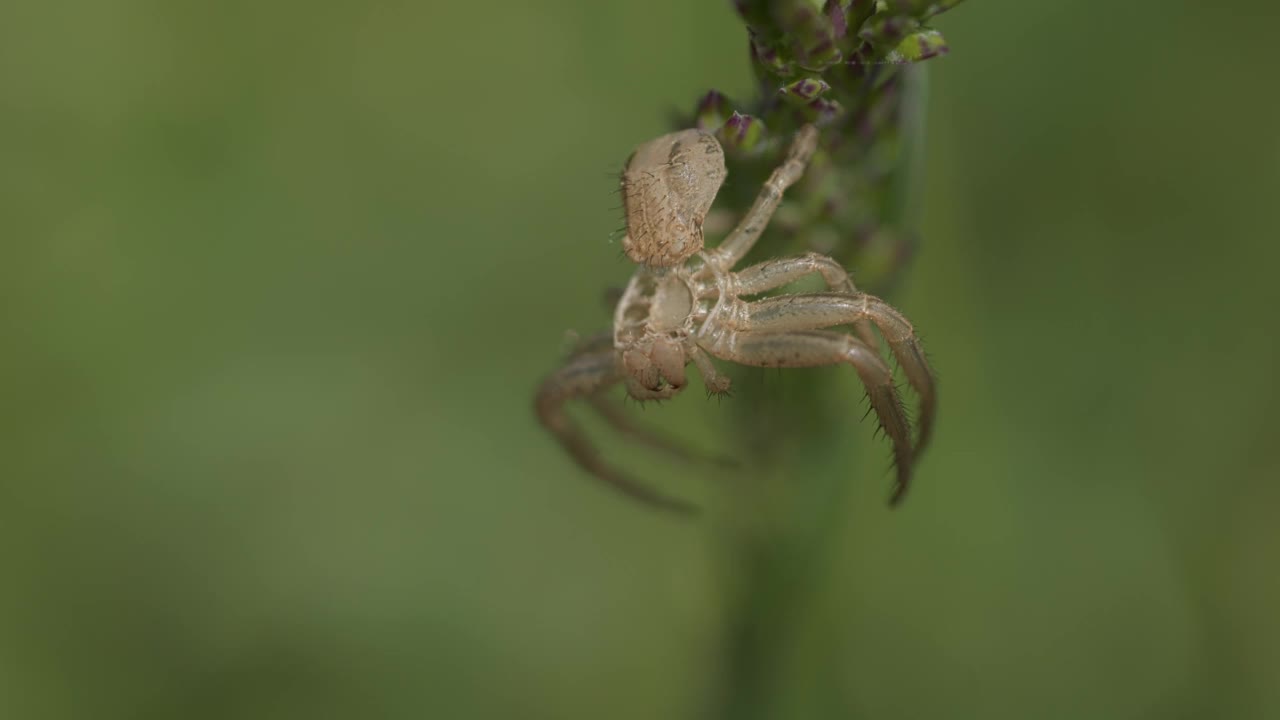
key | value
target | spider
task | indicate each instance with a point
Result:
(686, 305)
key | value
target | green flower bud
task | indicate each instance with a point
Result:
(741, 132)
(769, 63)
(859, 12)
(821, 110)
(886, 30)
(803, 91)
(921, 45)
(837, 12)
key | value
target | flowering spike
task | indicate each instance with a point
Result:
(845, 66)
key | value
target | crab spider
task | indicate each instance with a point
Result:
(686, 304)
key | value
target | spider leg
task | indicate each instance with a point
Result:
(812, 348)
(642, 393)
(626, 427)
(784, 271)
(716, 383)
(585, 374)
(595, 342)
(823, 310)
(744, 236)
(611, 297)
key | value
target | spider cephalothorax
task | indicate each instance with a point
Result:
(685, 305)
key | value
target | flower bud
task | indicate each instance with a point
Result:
(803, 91)
(922, 45)
(713, 110)
(887, 29)
(741, 132)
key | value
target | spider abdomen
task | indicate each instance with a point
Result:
(668, 187)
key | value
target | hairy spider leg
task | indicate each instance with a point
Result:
(813, 348)
(743, 237)
(824, 310)
(784, 271)
(582, 376)
(613, 414)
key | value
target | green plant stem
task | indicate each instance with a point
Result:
(848, 66)
(780, 539)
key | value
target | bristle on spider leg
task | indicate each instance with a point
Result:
(898, 489)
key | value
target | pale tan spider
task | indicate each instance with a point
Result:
(684, 304)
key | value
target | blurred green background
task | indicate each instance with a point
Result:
(278, 280)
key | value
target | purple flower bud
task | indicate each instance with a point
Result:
(823, 109)
(712, 111)
(741, 132)
(835, 10)
(804, 90)
(768, 61)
